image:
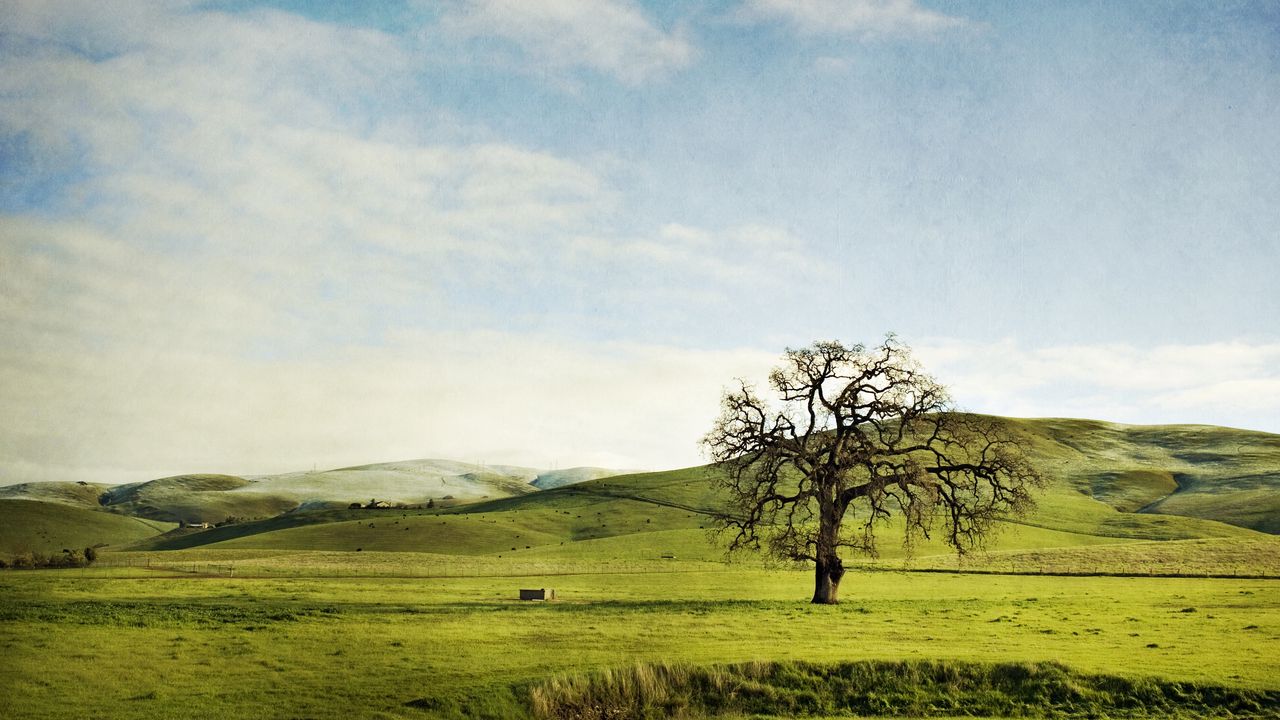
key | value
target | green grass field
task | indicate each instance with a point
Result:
(1145, 584)
(139, 643)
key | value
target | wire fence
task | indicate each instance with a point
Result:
(330, 567)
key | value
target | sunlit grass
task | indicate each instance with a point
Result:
(134, 643)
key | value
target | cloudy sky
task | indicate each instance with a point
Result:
(255, 237)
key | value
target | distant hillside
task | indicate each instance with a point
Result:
(417, 481)
(559, 478)
(195, 499)
(1200, 471)
(1108, 483)
(198, 498)
(45, 527)
(80, 494)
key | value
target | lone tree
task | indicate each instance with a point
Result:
(861, 434)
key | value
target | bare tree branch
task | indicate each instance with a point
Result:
(864, 431)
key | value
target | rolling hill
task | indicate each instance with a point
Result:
(1108, 484)
(416, 481)
(1199, 471)
(48, 527)
(79, 494)
(195, 499)
(212, 498)
(559, 478)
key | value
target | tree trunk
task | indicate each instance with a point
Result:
(826, 584)
(829, 569)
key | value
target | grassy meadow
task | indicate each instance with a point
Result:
(1145, 584)
(146, 643)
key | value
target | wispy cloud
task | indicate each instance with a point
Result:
(1228, 383)
(240, 267)
(119, 415)
(613, 37)
(246, 242)
(758, 256)
(853, 17)
(234, 152)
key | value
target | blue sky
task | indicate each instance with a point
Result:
(250, 237)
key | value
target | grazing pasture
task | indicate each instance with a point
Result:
(132, 642)
(1093, 605)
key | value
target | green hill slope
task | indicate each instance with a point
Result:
(1104, 479)
(1201, 471)
(409, 481)
(1108, 483)
(212, 498)
(80, 494)
(44, 527)
(647, 516)
(566, 515)
(195, 498)
(1099, 475)
(559, 478)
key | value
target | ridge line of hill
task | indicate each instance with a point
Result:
(640, 498)
(1107, 483)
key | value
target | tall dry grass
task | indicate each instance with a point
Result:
(888, 689)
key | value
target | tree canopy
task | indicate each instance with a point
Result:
(866, 433)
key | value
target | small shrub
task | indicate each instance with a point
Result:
(70, 559)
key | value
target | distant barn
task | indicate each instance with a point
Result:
(539, 594)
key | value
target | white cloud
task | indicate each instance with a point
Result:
(745, 255)
(610, 36)
(830, 64)
(1231, 383)
(116, 416)
(229, 157)
(242, 272)
(249, 265)
(102, 380)
(852, 17)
